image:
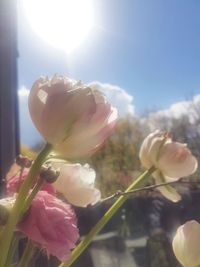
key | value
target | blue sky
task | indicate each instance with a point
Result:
(149, 48)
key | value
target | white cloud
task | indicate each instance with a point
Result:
(117, 96)
(178, 110)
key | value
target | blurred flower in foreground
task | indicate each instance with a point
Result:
(172, 160)
(6, 205)
(76, 183)
(13, 183)
(71, 116)
(51, 224)
(186, 244)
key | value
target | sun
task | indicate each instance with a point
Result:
(62, 23)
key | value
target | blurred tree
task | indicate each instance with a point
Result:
(26, 151)
(117, 162)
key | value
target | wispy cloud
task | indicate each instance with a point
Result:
(117, 96)
(189, 108)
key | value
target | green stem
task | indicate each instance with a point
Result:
(107, 216)
(12, 248)
(27, 255)
(15, 214)
(20, 177)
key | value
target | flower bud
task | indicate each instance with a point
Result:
(23, 161)
(172, 160)
(71, 116)
(186, 244)
(49, 174)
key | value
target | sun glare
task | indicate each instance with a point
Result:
(62, 23)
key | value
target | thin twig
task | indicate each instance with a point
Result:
(145, 188)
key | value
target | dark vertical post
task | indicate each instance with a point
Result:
(9, 134)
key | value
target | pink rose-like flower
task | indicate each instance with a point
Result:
(172, 160)
(51, 224)
(76, 183)
(71, 116)
(14, 182)
(186, 244)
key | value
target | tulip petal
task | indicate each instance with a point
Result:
(85, 143)
(61, 111)
(150, 148)
(82, 197)
(167, 191)
(35, 104)
(177, 161)
(186, 244)
(76, 183)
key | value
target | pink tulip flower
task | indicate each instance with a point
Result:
(71, 116)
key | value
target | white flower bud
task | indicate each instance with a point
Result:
(172, 160)
(186, 244)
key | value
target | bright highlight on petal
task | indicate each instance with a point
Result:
(77, 183)
(62, 23)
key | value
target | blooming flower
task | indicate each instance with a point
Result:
(13, 183)
(76, 183)
(172, 160)
(71, 116)
(51, 224)
(186, 244)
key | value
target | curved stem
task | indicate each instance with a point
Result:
(27, 255)
(15, 214)
(106, 217)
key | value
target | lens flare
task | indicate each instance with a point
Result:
(62, 23)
